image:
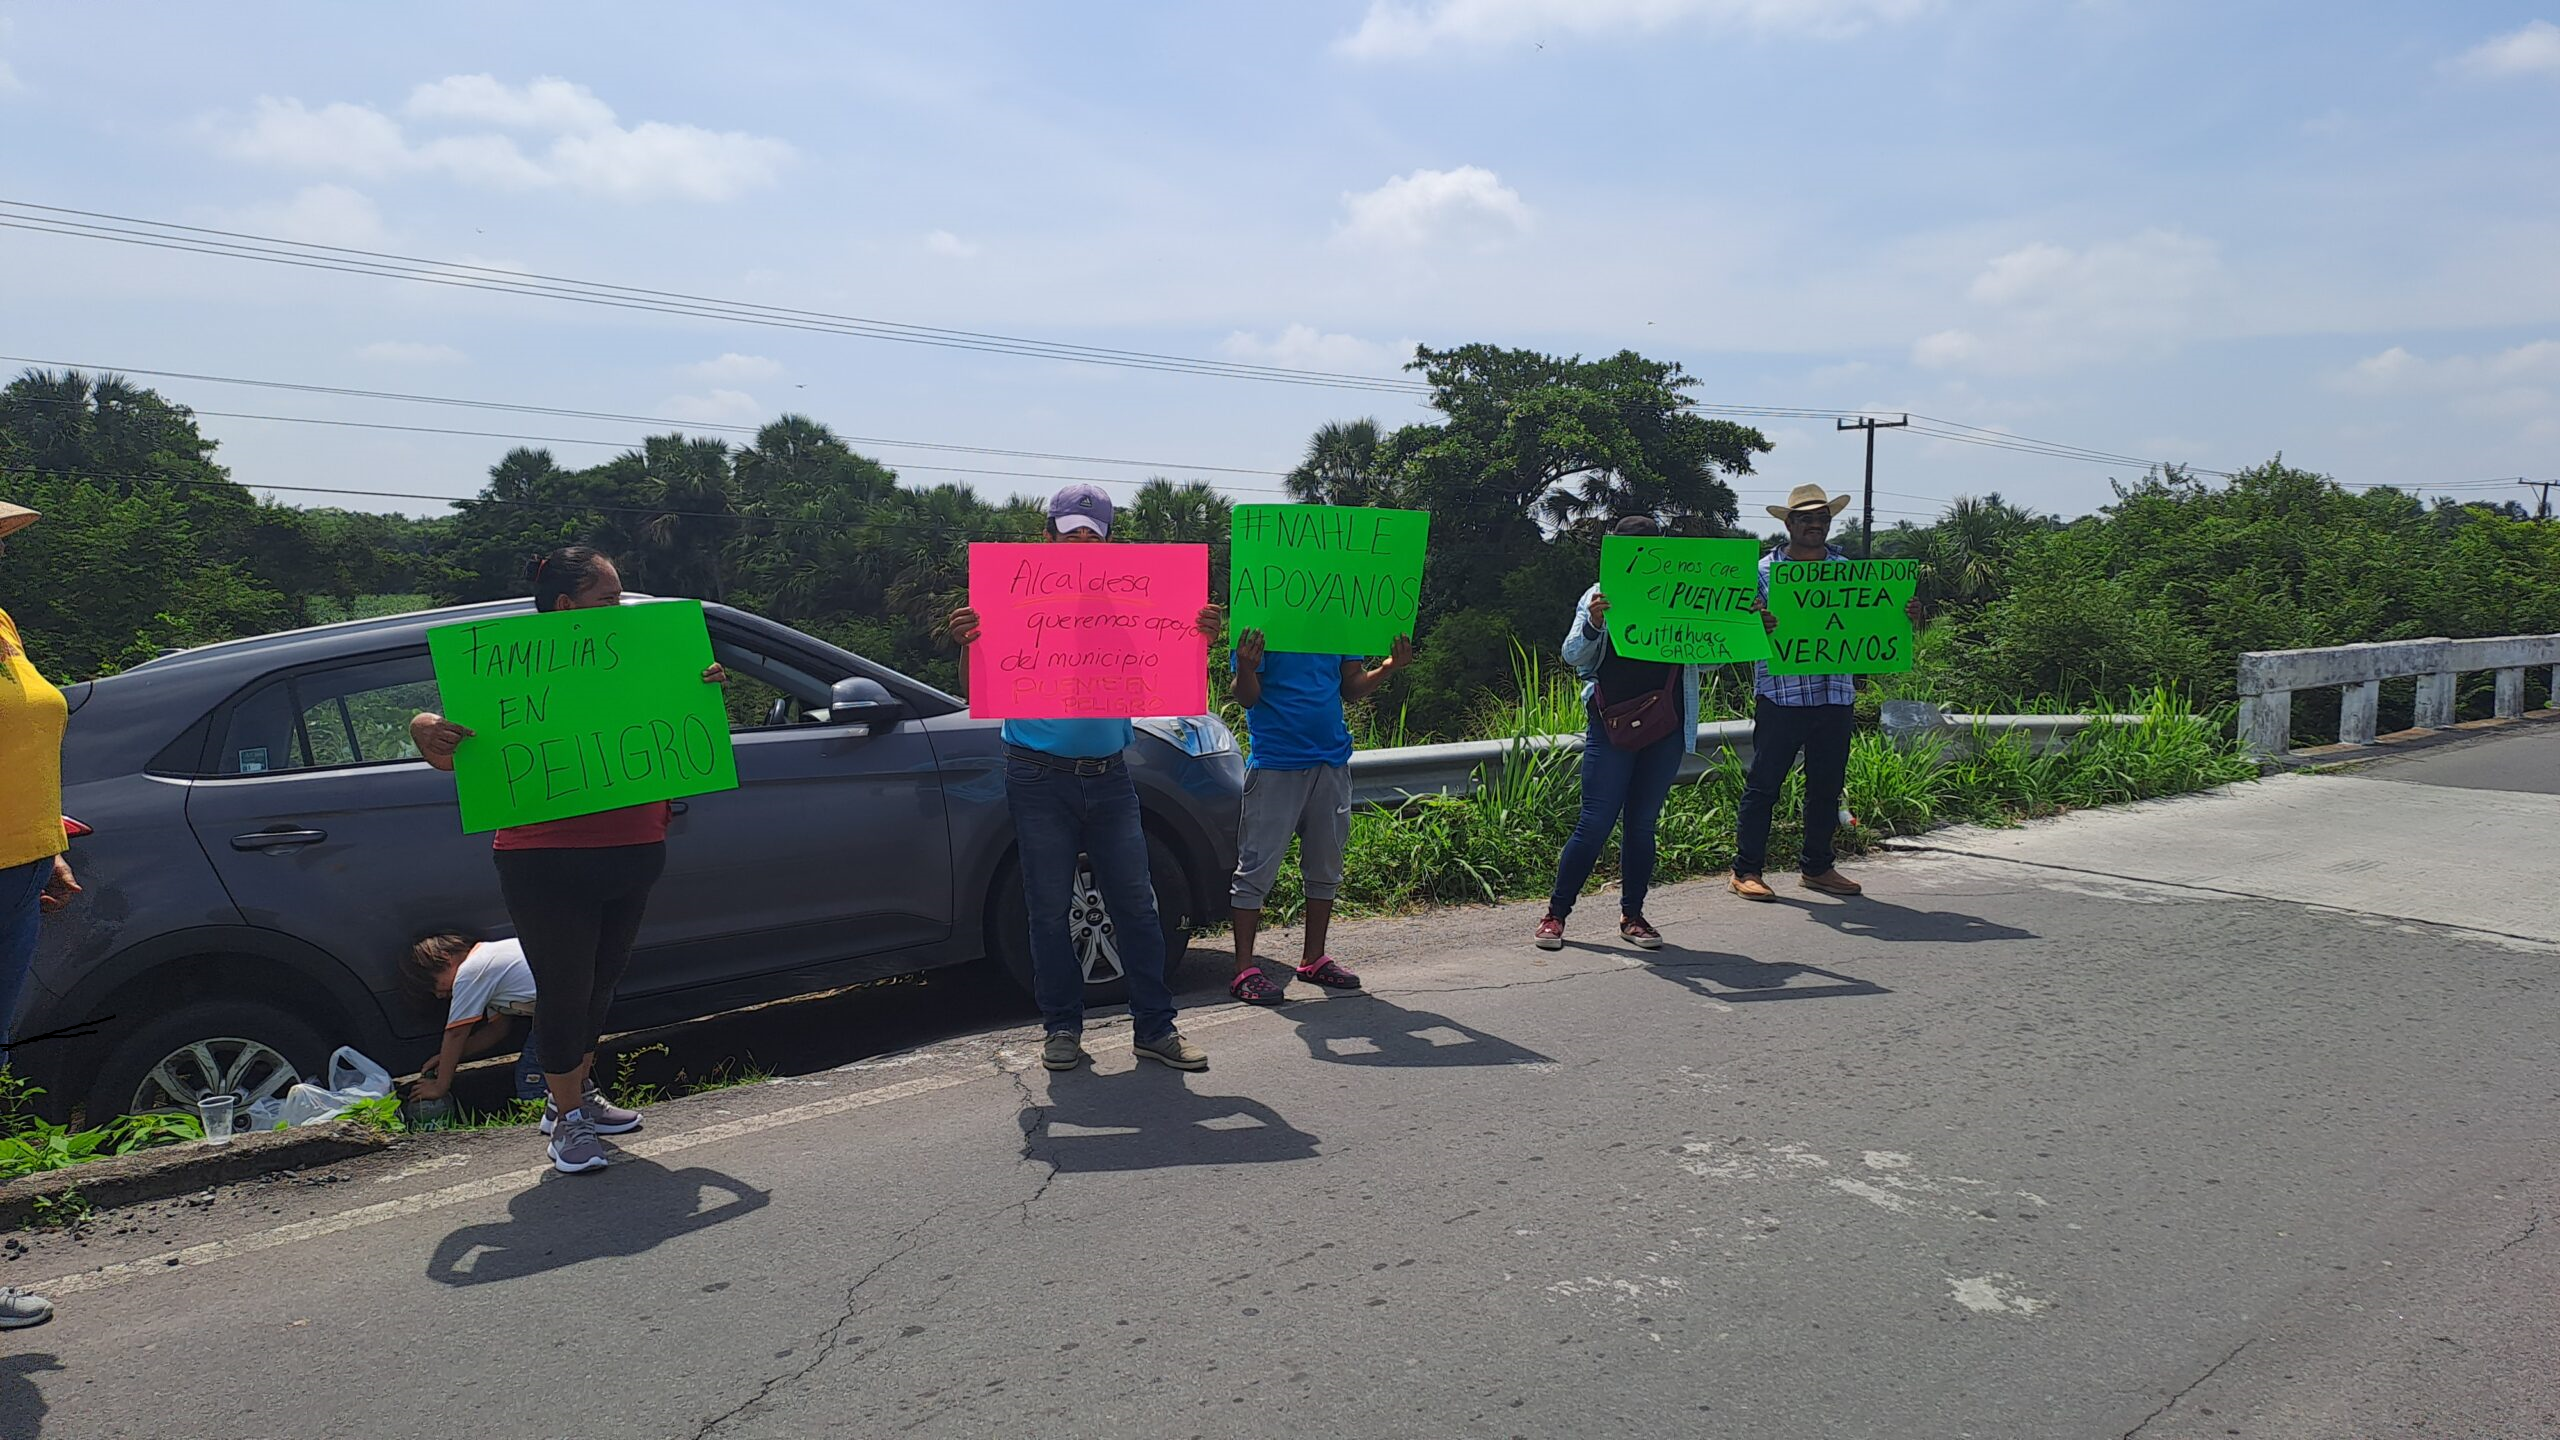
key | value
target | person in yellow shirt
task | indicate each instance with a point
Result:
(34, 876)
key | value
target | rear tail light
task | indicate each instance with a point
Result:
(75, 829)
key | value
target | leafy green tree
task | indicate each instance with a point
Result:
(1346, 465)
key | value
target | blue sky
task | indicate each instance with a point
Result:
(2191, 231)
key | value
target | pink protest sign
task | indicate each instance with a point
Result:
(1089, 631)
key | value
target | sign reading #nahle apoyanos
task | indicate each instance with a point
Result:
(579, 711)
(1088, 632)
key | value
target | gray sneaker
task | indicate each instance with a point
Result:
(1171, 1049)
(1062, 1051)
(574, 1146)
(609, 1118)
(18, 1309)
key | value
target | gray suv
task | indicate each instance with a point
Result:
(260, 844)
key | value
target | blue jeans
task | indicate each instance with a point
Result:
(1056, 817)
(1617, 783)
(21, 912)
(530, 1084)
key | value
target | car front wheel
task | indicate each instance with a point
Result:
(243, 1049)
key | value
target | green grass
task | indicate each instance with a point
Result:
(33, 1146)
(626, 1087)
(1501, 842)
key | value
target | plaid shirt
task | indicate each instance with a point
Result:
(1799, 689)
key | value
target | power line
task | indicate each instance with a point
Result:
(512, 407)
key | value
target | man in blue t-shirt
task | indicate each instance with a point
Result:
(1070, 793)
(1299, 784)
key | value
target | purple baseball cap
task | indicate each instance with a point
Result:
(1081, 507)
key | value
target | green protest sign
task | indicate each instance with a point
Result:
(1842, 617)
(1684, 600)
(1326, 579)
(581, 710)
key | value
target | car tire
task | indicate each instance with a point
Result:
(261, 1049)
(1009, 927)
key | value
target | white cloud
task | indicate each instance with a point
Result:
(1401, 28)
(318, 215)
(410, 352)
(588, 150)
(348, 139)
(943, 242)
(717, 407)
(2398, 372)
(1303, 347)
(1434, 207)
(548, 103)
(2533, 50)
(2046, 306)
(735, 369)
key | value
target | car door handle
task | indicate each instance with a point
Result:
(677, 807)
(277, 839)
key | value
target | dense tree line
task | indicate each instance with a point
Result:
(149, 543)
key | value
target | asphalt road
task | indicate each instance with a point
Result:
(2116, 1125)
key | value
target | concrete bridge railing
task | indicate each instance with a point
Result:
(2268, 679)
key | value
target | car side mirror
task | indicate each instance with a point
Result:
(864, 701)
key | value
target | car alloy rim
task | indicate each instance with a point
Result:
(1089, 924)
(247, 1070)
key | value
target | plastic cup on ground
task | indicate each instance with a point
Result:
(216, 1113)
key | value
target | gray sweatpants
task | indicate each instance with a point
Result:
(1315, 806)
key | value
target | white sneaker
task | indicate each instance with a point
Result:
(18, 1309)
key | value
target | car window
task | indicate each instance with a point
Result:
(767, 690)
(350, 715)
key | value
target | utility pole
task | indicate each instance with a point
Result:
(2544, 512)
(1867, 539)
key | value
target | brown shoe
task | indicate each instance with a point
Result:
(1832, 882)
(1752, 887)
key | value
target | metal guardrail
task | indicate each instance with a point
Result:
(1388, 777)
(2268, 679)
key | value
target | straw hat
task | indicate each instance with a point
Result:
(14, 517)
(1810, 497)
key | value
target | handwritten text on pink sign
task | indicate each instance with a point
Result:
(1078, 632)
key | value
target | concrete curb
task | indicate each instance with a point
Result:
(157, 1174)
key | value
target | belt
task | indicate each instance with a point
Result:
(1067, 764)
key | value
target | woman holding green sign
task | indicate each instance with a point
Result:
(1643, 719)
(576, 889)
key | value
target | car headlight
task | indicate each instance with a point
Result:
(1193, 735)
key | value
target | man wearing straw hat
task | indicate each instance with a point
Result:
(35, 879)
(1810, 713)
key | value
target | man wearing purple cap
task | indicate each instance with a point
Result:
(1070, 793)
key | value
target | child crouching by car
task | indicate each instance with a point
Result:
(481, 986)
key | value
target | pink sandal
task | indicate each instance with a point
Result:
(1329, 974)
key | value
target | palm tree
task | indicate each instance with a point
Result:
(1343, 468)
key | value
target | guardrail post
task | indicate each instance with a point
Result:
(2510, 699)
(2358, 705)
(2266, 723)
(2435, 701)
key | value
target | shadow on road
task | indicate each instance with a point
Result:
(630, 1207)
(1729, 978)
(1366, 1030)
(1149, 1119)
(22, 1407)
(1867, 918)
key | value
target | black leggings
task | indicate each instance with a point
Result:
(577, 912)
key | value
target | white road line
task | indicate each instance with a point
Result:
(514, 1180)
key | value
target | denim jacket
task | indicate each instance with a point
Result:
(1583, 646)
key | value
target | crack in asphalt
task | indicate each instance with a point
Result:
(832, 1338)
(1035, 1121)
(2530, 1229)
(2172, 1402)
(1505, 985)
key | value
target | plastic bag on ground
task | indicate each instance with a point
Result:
(352, 1078)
